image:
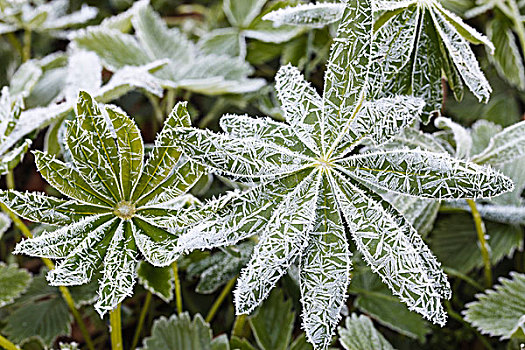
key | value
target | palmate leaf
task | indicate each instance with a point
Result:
(180, 332)
(116, 203)
(187, 66)
(500, 311)
(302, 180)
(359, 334)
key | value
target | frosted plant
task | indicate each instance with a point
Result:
(246, 23)
(307, 181)
(188, 67)
(311, 15)
(41, 16)
(117, 203)
(414, 41)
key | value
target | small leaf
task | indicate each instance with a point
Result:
(157, 280)
(272, 325)
(504, 147)
(241, 13)
(311, 15)
(499, 311)
(13, 282)
(360, 334)
(180, 332)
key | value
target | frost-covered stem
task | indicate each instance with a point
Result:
(115, 328)
(178, 293)
(518, 24)
(483, 245)
(10, 180)
(142, 317)
(6, 344)
(225, 291)
(238, 326)
(64, 290)
(26, 51)
(11, 37)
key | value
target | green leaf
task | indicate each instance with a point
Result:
(300, 343)
(272, 325)
(241, 13)
(374, 298)
(507, 58)
(157, 246)
(180, 332)
(499, 311)
(25, 78)
(5, 223)
(311, 15)
(44, 320)
(459, 248)
(360, 334)
(13, 282)
(157, 280)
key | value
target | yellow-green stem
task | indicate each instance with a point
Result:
(10, 180)
(64, 290)
(26, 50)
(7, 345)
(142, 317)
(226, 290)
(115, 328)
(170, 100)
(178, 293)
(483, 244)
(238, 326)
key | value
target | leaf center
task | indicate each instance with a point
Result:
(125, 210)
(323, 164)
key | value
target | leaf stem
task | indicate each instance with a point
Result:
(10, 180)
(220, 299)
(483, 244)
(159, 114)
(238, 326)
(178, 293)
(115, 328)
(7, 345)
(64, 290)
(26, 50)
(142, 317)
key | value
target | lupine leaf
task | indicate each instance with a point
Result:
(157, 280)
(499, 311)
(13, 281)
(311, 15)
(241, 13)
(359, 334)
(504, 147)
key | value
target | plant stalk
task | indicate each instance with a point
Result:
(217, 304)
(11, 37)
(238, 326)
(178, 293)
(483, 244)
(26, 50)
(64, 290)
(115, 328)
(7, 345)
(142, 317)
(10, 180)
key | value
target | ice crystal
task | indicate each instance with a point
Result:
(305, 182)
(116, 201)
(187, 68)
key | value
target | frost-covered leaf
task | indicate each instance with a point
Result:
(5, 223)
(506, 146)
(311, 15)
(462, 136)
(157, 280)
(500, 312)
(13, 282)
(272, 325)
(219, 268)
(241, 13)
(359, 334)
(180, 332)
(187, 66)
(425, 174)
(420, 212)
(102, 227)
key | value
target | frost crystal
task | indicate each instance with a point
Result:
(117, 201)
(304, 180)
